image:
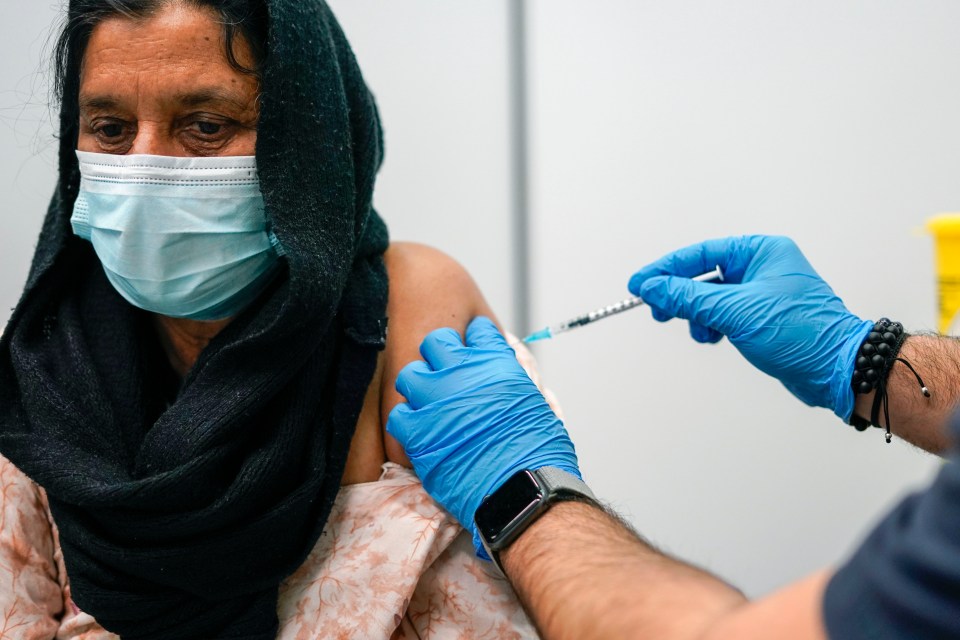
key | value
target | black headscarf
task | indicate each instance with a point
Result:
(180, 521)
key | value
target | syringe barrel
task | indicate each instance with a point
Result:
(615, 308)
(623, 305)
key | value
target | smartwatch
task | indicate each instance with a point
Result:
(517, 503)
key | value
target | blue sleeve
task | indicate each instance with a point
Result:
(904, 581)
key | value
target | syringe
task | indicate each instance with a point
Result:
(610, 310)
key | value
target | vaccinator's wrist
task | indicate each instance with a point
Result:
(861, 408)
(844, 398)
(876, 357)
(547, 530)
(526, 496)
(563, 459)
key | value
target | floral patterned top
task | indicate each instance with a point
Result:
(390, 564)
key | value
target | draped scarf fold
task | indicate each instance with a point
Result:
(180, 513)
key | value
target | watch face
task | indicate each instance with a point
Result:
(514, 499)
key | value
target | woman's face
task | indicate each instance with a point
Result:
(163, 86)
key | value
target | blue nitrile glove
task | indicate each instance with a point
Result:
(473, 418)
(772, 306)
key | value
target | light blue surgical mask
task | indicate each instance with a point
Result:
(182, 237)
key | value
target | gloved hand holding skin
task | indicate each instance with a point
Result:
(473, 418)
(772, 306)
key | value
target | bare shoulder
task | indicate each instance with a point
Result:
(415, 268)
(428, 290)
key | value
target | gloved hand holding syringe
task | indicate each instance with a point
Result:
(610, 310)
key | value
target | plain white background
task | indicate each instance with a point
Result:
(652, 125)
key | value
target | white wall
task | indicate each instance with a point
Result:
(659, 124)
(439, 72)
(654, 125)
(28, 149)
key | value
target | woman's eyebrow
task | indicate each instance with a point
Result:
(212, 95)
(196, 98)
(102, 103)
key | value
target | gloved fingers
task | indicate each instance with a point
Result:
(660, 316)
(704, 334)
(414, 384)
(442, 349)
(776, 256)
(707, 304)
(482, 333)
(421, 433)
(398, 423)
(731, 254)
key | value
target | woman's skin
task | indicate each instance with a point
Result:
(163, 86)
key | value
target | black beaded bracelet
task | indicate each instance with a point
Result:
(876, 356)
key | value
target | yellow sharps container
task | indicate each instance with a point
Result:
(946, 237)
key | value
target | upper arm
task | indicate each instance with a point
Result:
(428, 290)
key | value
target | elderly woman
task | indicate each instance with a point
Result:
(194, 385)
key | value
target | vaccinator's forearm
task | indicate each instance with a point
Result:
(583, 574)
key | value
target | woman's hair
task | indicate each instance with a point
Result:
(247, 18)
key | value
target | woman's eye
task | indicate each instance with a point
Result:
(111, 130)
(209, 128)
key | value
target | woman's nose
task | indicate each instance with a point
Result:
(153, 138)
